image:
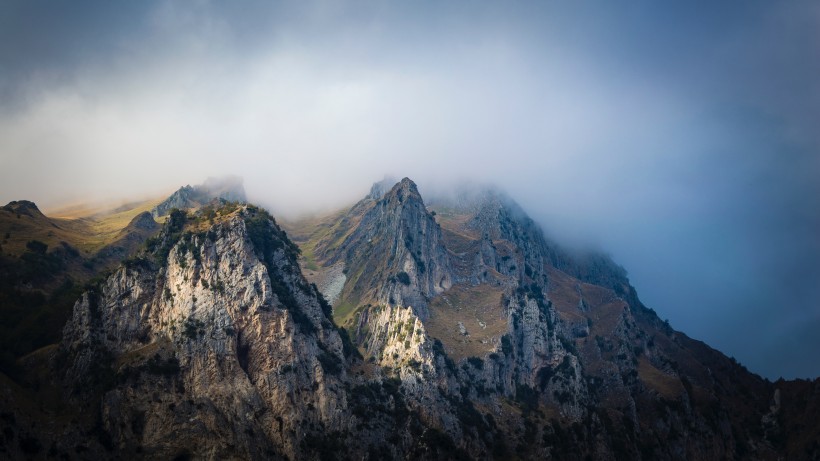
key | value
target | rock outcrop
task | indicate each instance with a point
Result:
(128, 240)
(394, 254)
(227, 188)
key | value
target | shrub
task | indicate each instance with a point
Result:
(37, 246)
(476, 362)
(193, 328)
(403, 277)
(330, 363)
(506, 345)
(157, 366)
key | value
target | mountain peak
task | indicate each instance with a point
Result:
(404, 189)
(412, 265)
(379, 188)
(23, 207)
(227, 188)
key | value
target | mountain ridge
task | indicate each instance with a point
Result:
(213, 342)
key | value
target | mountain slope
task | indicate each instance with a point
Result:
(207, 320)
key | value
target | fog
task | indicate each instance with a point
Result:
(681, 140)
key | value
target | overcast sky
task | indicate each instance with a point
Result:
(681, 139)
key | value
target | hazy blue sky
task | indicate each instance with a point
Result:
(683, 138)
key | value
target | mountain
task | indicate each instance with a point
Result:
(560, 335)
(227, 188)
(455, 330)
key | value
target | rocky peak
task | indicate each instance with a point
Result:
(405, 188)
(23, 207)
(494, 215)
(216, 318)
(227, 188)
(211, 344)
(397, 252)
(380, 188)
(143, 221)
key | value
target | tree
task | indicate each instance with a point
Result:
(36, 246)
(403, 278)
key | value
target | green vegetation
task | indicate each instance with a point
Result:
(36, 297)
(506, 345)
(348, 348)
(403, 277)
(37, 247)
(157, 366)
(438, 350)
(326, 446)
(193, 328)
(527, 398)
(476, 362)
(268, 239)
(330, 363)
(161, 246)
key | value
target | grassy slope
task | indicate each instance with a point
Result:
(86, 232)
(317, 238)
(479, 309)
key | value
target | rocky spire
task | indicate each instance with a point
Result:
(396, 253)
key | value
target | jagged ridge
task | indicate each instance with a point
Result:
(213, 344)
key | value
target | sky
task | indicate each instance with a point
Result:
(680, 137)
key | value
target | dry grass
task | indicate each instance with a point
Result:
(456, 223)
(87, 233)
(471, 305)
(603, 307)
(200, 223)
(666, 385)
(308, 232)
(140, 355)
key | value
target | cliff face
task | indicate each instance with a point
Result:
(394, 255)
(220, 350)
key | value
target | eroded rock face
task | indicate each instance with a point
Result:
(394, 255)
(221, 351)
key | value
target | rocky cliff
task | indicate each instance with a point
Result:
(394, 254)
(466, 335)
(212, 344)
